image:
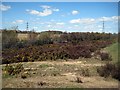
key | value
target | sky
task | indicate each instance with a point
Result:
(60, 0)
(62, 16)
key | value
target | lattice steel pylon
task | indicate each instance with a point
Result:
(27, 27)
(103, 30)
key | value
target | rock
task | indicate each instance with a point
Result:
(24, 75)
(76, 69)
(73, 78)
(79, 80)
(98, 57)
(27, 69)
(92, 54)
(41, 83)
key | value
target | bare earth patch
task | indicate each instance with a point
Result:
(60, 74)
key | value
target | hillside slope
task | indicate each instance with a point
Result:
(113, 50)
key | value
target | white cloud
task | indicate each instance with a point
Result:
(52, 20)
(69, 27)
(63, 15)
(99, 26)
(48, 22)
(83, 21)
(75, 21)
(113, 18)
(18, 22)
(35, 27)
(42, 23)
(76, 25)
(93, 28)
(56, 10)
(34, 12)
(45, 6)
(100, 29)
(4, 7)
(105, 19)
(61, 23)
(27, 10)
(74, 12)
(49, 25)
(47, 10)
(93, 20)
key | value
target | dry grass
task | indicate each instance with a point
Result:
(67, 74)
(23, 36)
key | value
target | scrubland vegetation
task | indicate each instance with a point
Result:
(66, 46)
(87, 55)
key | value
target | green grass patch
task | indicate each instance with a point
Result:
(6, 75)
(44, 66)
(113, 51)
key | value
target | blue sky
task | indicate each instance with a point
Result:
(64, 16)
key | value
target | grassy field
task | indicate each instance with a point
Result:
(113, 50)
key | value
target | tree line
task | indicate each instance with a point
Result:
(10, 39)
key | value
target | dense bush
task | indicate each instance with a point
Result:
(48, 47)
(86, 72)
(9, 38)
(116, 71)
(21, 44)
(44, 38)
(14, 69)
(110, 70)
(43, 41)
(105, 56)
(77, 37)
(50, 52)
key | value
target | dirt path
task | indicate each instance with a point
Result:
(81, 63)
